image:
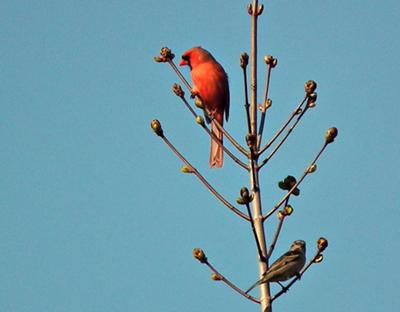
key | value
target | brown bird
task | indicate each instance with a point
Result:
(286, 266)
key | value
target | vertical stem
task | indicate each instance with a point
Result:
(265, 297)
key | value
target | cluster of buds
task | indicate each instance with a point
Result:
(322, 244)
(330, 135)
(245, 197)
(166, 55)
(288, 183)
(260, 9)
(270, 60)
(310, 87)
(287, 211)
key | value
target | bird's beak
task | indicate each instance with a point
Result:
(183, 62)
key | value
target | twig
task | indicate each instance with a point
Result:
(298, 277)
(244, 60)
(262, 121)
(277, 232)
(204, 181)
(306, 172)
(260, 254)
(295, 112)
(283, 139)
(178, 72)
(230, 284)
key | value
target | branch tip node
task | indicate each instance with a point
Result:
(330, 135)
(177, 89)
(322, 244)
(244, 60)
(199, 254)
(156, 126)
(167, 53)
(250, 9)
(260, 9)
(310, 86)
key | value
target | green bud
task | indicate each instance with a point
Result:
(200, 120)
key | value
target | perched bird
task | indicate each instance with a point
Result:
(287, 266)
(210, 84)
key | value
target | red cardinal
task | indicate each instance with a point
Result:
(210, 83)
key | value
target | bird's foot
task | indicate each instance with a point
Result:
(194, 92)
(284, 288)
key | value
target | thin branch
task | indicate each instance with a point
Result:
(260, 253)
(297, 278)
(253, 67)
(295, 112)
(204, 181)
(178, 72)
(230, 284)
(213, 136)
(283, 139)
(262, 121)
(277, 232)
(306, 172)
(244, 59)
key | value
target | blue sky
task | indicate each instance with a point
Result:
(95, 214)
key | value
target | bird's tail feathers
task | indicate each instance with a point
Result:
(216, 152)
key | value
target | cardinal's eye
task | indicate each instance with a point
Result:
(185, 57)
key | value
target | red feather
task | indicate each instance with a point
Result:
(210, 83)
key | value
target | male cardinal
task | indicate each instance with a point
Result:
(287, 266)
(210, 84)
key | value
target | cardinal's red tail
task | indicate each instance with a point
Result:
(216, 152)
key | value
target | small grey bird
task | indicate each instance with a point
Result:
(287, 266)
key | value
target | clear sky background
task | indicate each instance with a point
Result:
(95, 214)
